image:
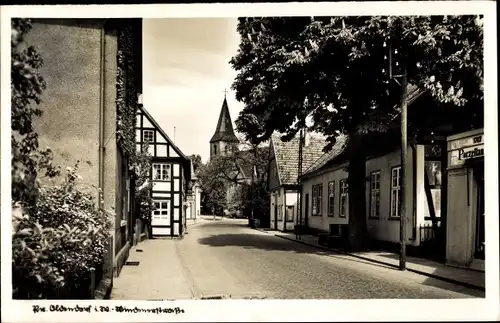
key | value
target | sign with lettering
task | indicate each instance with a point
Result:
(467, 142)
(459, 156)
(466, 148)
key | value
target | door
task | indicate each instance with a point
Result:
(160, 220)
(306, 211)
(275, 217)
(480, 225)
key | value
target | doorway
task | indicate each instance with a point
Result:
(306, 212)
(275, 217)
(480, 225)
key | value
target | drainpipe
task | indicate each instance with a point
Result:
(101, 116)
(414, 195)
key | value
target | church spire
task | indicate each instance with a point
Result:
(224, 131)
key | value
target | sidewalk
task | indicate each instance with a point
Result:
(464, 277)
(154, 273)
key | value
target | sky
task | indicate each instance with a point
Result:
(186, 70)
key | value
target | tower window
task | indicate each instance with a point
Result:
(215, 149)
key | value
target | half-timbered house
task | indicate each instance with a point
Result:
(170, 174)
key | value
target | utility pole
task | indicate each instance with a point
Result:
(298, 233)
(404, 148)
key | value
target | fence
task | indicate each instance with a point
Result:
(430, 241)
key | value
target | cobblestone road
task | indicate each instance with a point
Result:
(226, 257)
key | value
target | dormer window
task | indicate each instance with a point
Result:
(148, 135)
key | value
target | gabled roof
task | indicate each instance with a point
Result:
(157, 126)
(337, 150)
(224, 130)
(287, 155)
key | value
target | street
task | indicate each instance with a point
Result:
(226, 258)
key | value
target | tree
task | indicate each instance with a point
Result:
(332, 70)
(197, 163)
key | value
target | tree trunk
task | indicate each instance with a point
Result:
(357, 195)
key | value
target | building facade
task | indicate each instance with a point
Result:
(79, 120)
(465, 230)
(282, 181)
(170, 174)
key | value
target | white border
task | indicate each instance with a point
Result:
(278, 310)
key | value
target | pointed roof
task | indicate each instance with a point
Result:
(287, 155)
(224, 130)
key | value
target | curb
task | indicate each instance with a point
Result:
(449, 280)
(258, 229)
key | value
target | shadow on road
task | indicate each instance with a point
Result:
(269, 243)
(272, 243)
(443, 273)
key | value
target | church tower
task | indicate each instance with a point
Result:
(224, 140)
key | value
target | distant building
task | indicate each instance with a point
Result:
(171, 174)
(224, 141)
(283, 176)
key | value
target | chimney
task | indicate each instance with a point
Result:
(307, 139)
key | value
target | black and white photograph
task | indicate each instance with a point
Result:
(235, 161)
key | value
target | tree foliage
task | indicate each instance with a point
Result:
(333, 69)
(334, 72)
(232, 173)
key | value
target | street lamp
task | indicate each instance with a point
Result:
(404, 138)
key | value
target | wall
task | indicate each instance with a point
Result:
(291, 197)
(323, 222)
(70, 124)
(277, 199)
(462, 200)
(383, 228)
(70, 121)
(386, 228)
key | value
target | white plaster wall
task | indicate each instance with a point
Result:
(323, 222)
(291, 197)
(277, 199)
(384, 228)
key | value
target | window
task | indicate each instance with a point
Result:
(161, 208)
(289, 213)
(331, 195)
(161, 172)
(396, 192)
(375, 194)
(148, 135)
(344, 191)
(317, 199)
(215, 149)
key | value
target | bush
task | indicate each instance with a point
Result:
(57, 241)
